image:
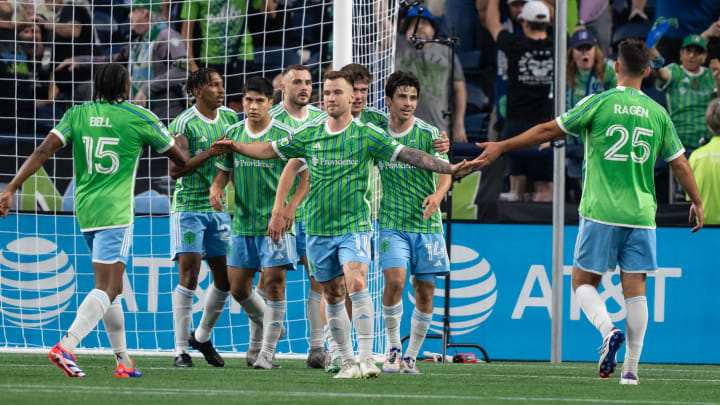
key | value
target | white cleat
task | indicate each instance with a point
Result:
(251, 356)
(629, 379)
(368, 368)
(392, 361)
(264, 361)
(408, 366)
(349, 369)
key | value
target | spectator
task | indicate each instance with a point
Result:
(12, 67)
(693, 16)
(530, 76)
(40, 82)
(596, 16)
(157, 61)
(587, 73)
(705, 163)
(225, 42)
(689, 88)
(431, 65)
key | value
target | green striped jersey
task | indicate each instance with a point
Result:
(255, 181)
(688, 95)
(405, 187)
(192, 191)
(373, 116)
(279, 113)
(108, 141)
(623, 131)
(339, 164)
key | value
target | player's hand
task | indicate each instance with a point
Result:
(462, 168)
(698, 216)
(226, 145)
(431, 205)
(544, 146)
(715, 68)
(6, 202)
(217, 149)
(491, 153)
(68, 63)
(217, 198)
(442, 145)
(276, 227)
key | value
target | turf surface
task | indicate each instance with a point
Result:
(32, 379)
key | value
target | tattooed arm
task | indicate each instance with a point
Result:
(426, 161)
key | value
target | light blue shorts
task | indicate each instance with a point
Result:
(423, 253)
(327, 254)
(600, 248)
(207, 233)
(259, 252)
(110, 245)
(300, 239)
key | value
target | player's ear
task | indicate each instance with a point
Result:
(647, 72)
(388, 101)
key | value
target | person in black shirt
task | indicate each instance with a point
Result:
(529, 99)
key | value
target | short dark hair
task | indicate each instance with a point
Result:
(634, 57)
(295, 67)
(199, 79)
(401, 79)
(359, 72)
(260, 85)
(339, 74)
(110, 83)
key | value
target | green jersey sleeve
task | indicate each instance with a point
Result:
(225, 162)
(575, 120)
(382, 147)
(671, 148)
(154, 133)
(63, 129)
(676, 75)
(293, 146)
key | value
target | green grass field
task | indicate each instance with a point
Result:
(32, 379)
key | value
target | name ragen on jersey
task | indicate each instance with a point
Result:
(632, 110)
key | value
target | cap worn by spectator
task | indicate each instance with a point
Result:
(152, 5)
(695, 40)
(582, 37)
(535, 11)
(516, 1)
(426, 14)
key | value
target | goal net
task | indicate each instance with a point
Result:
(47, 63)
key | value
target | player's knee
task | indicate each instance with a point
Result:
(221, 284)
(239, 294)
(357, 284)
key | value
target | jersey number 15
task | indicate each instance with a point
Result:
(100, 152)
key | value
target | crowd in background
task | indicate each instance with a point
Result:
(501, 81)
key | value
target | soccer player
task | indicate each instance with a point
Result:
(338, 152)
(623, 131)
(360, 109)
(294, 111)
(251, 249)
(196, 230)
(108, 136)
(411, 232)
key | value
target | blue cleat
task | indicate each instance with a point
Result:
(65, 360)
(392, 361)
(124, 372)
(608, 352)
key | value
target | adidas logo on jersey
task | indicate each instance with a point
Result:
(203, 139)
(438, 263)
(279, 256)
(317, 146)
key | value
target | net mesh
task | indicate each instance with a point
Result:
(49, 53)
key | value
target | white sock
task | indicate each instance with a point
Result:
(114, 321)
(419, 326)
(339, 325)
(636, 322)
(363, 314)
(594, 308)
(331, 345)
(262, 294)
(214, 304)
(88, 315)
(315, 319)
(272, 325)
(393, 315)
(182, 300)
(254, 307)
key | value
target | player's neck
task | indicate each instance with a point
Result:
(399, 125)
(356, 114)
(209, 113)
(257, 126)
(632, 82)
(339, 123)
(295, 111)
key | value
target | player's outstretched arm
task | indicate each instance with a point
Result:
(195, 161)
(283, 215)
(426, 161)
(536, 135)
(254, 150)
(47, 148)
(432, 202)
(217, 190)
(177, 155)
(683, 172)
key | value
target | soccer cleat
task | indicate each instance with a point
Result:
(316, 358)
(207, 349)
(264, 361)
(629, 379)
(124, 372)
(183, 360)
(349, 369)
(392, 361)
(251, 356)
(65, 360)
(368, 368)
(334, 365)
(608, 352)
(408, 366)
